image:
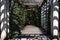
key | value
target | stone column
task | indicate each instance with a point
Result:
(55, 19)
(4, 18)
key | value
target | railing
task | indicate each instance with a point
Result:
(31, 37)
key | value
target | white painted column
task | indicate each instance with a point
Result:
(4, 19)
(55, 19)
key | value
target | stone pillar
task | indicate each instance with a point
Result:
(4, 18)
(55, 19)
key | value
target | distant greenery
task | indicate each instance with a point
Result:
(20, 16)
(17, 18)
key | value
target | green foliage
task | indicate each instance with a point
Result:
(20, 16)
(17, 18)
(33, 16)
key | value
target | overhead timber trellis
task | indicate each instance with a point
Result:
(51, 5)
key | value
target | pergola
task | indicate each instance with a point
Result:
(4, 16)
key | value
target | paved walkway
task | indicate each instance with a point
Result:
(30, 29)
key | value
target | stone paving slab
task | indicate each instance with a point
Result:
(30, 29)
